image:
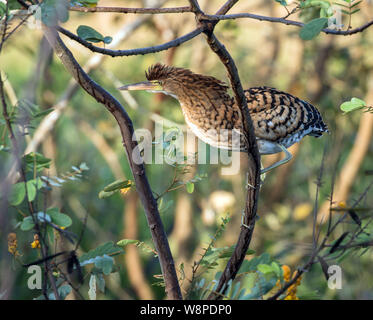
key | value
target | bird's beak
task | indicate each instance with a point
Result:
(145, 85)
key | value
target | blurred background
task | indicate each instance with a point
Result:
(325, 71)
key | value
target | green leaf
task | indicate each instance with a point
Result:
(189, 187)
(341, 5)
(107, 248)
(84, 3)
(265, 268)
(352, 105)
(252, 265)
(124, 242)
(36, 160)
(3, 147)
(100, 282)
(276, 269)
(42, 113)
(89, 34)
(17, 194)
(314, 3)
(62, 8)
(27, 224)
(53, 11)
(107, 40)
(104, 263)
(164, 205)
(261, 287)
(83, 166)
(282, 2)
(43, 217)
(60, 219)
(356, 3)
(313, 28)
(2, 9)
(32, 186)
(214, 254)
(14, 5)
(103, 194)
(50, 234)
(117, 185)
(63, 291)
(31, 190)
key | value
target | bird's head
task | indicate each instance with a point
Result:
(175, 81)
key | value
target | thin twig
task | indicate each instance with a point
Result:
(132, 10)
(284, 21)
(17, 26)
(132, 52)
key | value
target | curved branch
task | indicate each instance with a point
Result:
(132, 10)
(284, 21)
(49, 122)
(132, 52)
(138, 170)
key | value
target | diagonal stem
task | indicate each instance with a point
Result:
(138, 170)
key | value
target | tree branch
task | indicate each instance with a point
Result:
(254, 159)
(48, 123)
(138, 170)
(131, 52)
(284, 21)
(205, 18)
(132, 10)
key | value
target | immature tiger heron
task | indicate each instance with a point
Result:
(279, 118)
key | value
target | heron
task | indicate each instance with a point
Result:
(279, 118)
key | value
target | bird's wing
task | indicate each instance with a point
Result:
(277, 115)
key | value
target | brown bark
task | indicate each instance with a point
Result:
(142, 185)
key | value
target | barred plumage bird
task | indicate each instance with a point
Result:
(279, 118)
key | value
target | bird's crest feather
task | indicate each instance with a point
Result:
(160, 71)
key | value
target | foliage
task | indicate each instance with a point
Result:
(89, 34)
(121, 186)
(355, 104)
(54, 11)
(313, 28)
(57, 197)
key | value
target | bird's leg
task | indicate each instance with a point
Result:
(262, 174)
(287, 158)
